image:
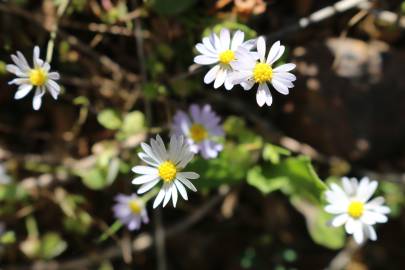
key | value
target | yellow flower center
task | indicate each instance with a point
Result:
(38, 76)
(198, 132)
(262, 73)
(226, 57)
(135, 206)
(167, 171)
(355, 209)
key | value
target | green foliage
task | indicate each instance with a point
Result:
(393, 194)
(170, 7)
(79, 223)
(294, 176)
(273, 153)
(7, 238)
(47, 247)
(110, 119)
(240, 152)
(12, 192)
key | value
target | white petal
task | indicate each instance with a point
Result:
(358, 232)
(284, 68)
(190, 175)
(145, 170)
(53, 88)
(144, 179)
(159, 197)
(211, 74)
(280, 87)
(261, 48)
(365, 193)
(187, 183)
(350, 226)
(237, 40)
(209, 44)
(271, 57)
(37, 101)
(168, 194)
(54, 76)
(181, 189)
(148, 186)
(203, 50)
(339, 220)
(335, 208)
(228, 83)
(263, 95)
(372, 235)
(205, 60)
(147, 159)
(174, 195)
(37, 61)
(220, 79)
(225, 39)
(279, 54)
(22, 91)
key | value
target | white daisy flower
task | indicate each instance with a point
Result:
(165, 166)
(201, 127)
(250, 71)
(353, 208)
(131, 211)
(220, 51)
(38, 77)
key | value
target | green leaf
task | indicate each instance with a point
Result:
(215, 172)
(52, 245)
(110, 119)
(256, 178)
(294, 176)
(170, 7)
(273, 153)
(134, 122)
(7, 238)
(317, 223)
(95, 178)
(79, 224)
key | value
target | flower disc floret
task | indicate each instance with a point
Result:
(355, 209)
(198, 133)
(262, 73)
(38, 77)
(167, 171)
(226, 57)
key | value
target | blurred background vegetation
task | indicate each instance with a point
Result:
(127, 66)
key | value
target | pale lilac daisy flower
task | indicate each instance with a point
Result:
(165, 166)
(220, 52)
(131, 211)
(38, 77)
(353, 208)
(201, 127)
(250, 71)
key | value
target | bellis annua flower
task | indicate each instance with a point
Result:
(250, 71)
(38, 77)
(131, 211)
(165, 166)
(354, 209)
(220, 52)
(201, 127)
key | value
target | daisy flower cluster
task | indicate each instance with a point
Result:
(235, 63)
(353, 208)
